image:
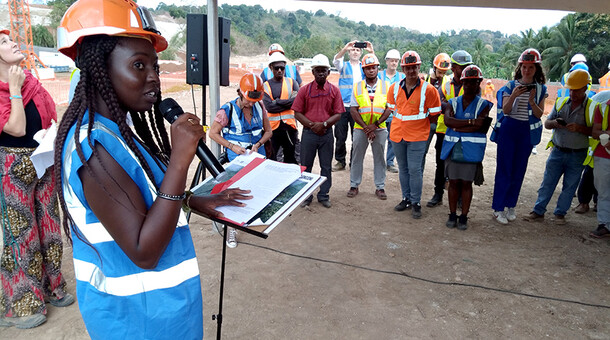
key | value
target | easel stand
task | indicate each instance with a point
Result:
(225, 224)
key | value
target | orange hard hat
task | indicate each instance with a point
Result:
(472, 72)
(251, 87)
(370, 60)
(442, 61)
(108, 17)
(530, 56)
(410, 58)
(275, 48)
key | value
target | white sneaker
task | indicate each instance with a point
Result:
(232, 238)
(500, 217)
(510, 214)
(535, 152)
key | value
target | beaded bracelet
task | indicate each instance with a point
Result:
(171, 197)
(15, 97)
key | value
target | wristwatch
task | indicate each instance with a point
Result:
(325, 124)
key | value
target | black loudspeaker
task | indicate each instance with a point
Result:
(197, 49)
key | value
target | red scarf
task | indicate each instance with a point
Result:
(31, 90)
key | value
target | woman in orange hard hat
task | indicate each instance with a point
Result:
(122, 191)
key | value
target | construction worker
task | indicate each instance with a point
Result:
(578, 58)
(318, 106)
(280, 92)
(350, 73)
(291, 70)
(412, 101)
(490, 90)
(450, 89)
(570, 141)
(604, 81)
(565, 92)
(437, 77)
(368, 109)
(391, 75)
(602, 169)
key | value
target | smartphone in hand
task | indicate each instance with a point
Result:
(360, 44)
(561, 121)
(528, 88)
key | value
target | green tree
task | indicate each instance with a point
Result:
(58, 8)
(561, 47)
(42, 37)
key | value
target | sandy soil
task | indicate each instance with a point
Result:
(361, 270)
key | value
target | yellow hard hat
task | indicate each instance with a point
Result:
(577, 79)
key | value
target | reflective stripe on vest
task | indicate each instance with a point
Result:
(448, 89)
(287, 115)
(346, 82)
(371, 112)
(593, 143)
(236, 133)
(422, 101)
(473, 143)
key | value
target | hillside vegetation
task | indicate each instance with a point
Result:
(304, 34)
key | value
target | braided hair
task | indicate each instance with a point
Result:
(95, 83)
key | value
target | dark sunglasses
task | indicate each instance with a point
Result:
(529, 57)
(279, 68)
(254, 94)
(410, 59)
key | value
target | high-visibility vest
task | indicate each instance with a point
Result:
(595, 143)
(473, 143)
(371, 111)
(290, 72)
(534, 123)
(589, 112)
(398, 76)
(604, 82)
(239, 131)
(445, 79)
(422, 100)
(448, 88)
(346, 82)
(288, 115)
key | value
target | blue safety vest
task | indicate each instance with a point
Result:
(239, 131)
(346, 82)
(291, 72)
(534, 123)
(398, 76)
(473, 143)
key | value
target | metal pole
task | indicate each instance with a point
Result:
(214, 66)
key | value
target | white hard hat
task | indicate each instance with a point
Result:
(320, 60)
(578, 58)
(392, 54)
(276, 56)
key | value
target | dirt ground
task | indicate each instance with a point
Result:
(361, 270)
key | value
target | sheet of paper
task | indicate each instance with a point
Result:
(44, 155)
(265, 182)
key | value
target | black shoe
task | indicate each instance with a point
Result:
(416, 211)
(600, 232)
(463, 222)
(452, 221)
(437, 199)
(403, 205)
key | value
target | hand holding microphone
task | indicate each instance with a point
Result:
(172, 111)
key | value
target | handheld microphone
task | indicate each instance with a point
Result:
(171, 111)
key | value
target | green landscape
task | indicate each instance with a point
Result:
(304, 34)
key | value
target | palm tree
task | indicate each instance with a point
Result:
(556, 57)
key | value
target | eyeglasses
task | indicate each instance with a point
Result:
(410, 59)
(148, 23)
(444, 64)
(279, 68)
(254, 94)
(529, 57)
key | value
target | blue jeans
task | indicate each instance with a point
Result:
(389, 158)
(311, 144)
(409, 157)
(602, 184)
(568, 164)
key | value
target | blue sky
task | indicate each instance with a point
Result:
(508, 21)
